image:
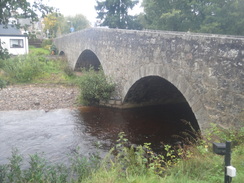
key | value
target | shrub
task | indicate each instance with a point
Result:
(46, 42)
(95, 87)
(22, 68)
(2, 83)
(64, 66)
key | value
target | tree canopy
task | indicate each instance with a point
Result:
(209, 16)
(57, 24)
(22, 9)
(114, 14)
(78, 22)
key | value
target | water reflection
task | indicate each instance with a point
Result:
(156, 125)
(58, 133)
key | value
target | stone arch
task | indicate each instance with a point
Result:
(61, 53)
(169, 78)
(86, 60)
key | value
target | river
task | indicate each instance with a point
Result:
(59, 133)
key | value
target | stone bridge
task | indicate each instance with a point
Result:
(204, 71)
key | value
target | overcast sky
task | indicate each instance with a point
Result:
(85, 7)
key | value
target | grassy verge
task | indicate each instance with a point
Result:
(36, 67)
(135, 164)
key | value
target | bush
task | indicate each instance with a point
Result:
(4, 54)
(95, 87)
(46, 42)
(22, 68)
(2, 83)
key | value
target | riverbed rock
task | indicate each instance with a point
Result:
(38, 96)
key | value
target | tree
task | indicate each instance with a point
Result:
(78, 22)
(223, 17)
(22, 9)
(56, 24)
(174, 15)
(209, 16)
(51, 24)
(114, 14)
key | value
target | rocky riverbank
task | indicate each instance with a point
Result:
(35, 97)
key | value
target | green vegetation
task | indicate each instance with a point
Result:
(194, 15)
(39, 67)
(40, 51)
(114, 14)
(95, 87)
(23, 9)
(36, 67)
(40, 170)
(136, 164)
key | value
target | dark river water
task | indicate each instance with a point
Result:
(58, 133)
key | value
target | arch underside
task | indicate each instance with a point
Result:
(155, 90)
(87, 59)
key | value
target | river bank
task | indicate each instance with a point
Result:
(38, 96)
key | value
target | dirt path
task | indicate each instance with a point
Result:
(34, 97)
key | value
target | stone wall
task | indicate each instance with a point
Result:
(207, 69)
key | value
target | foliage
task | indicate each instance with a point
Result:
(140, 164)
(36, 67)
(218, 134)
(57, 24)
(40, 170)
(114, 14)
(2, 83)
(95, 87)
(46, 43)
(216, 16)
(4, 54)
(22, 68)
(78, 22)
(22, 9)
(51, 22)
(38, 51)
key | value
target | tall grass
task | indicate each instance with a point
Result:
(38, 51)
(193, 164)
(40, 170)
(22, 69)
(35, 67)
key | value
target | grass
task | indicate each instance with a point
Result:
(196, 164)
(36, 67)
(38, 51)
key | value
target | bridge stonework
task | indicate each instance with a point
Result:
(207, 69)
